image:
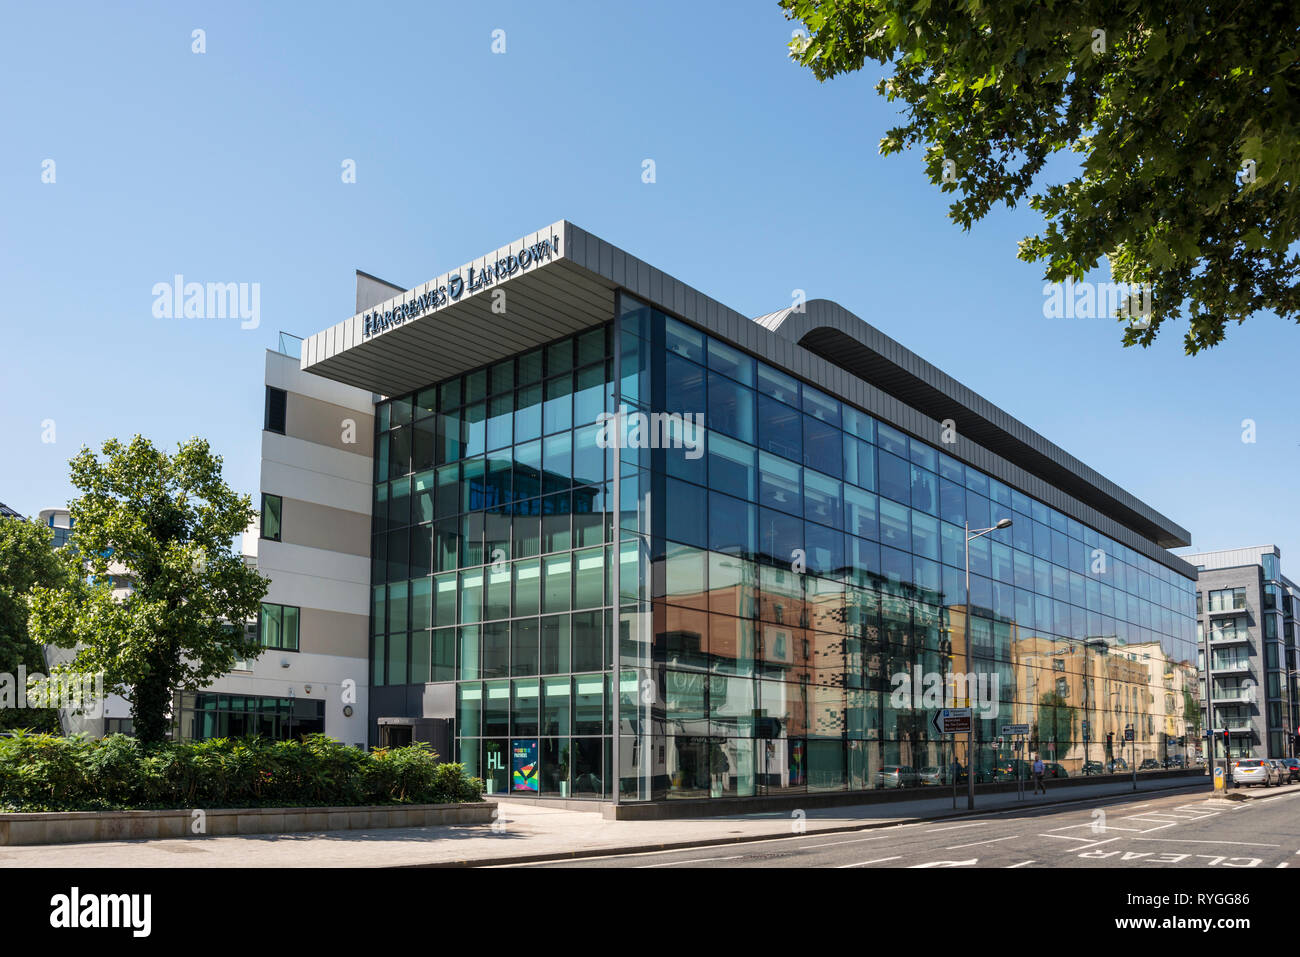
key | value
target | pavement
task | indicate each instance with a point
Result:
(525, 832)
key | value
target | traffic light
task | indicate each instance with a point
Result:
(1225, 742)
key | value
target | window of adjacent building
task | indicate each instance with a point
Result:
(205, 715)
(271, 506)
(275, 405)
(1228, 629)
(1228, 599)
(279, 627)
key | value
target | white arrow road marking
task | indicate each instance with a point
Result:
(956, 827)
(879, 860)
(1183, 840)
(1021, 864)
(805, 847)
(697, 860)
(1094, 843)
(976, 843)
(1071, 837)
(947, 863)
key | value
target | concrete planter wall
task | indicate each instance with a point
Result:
(72, 827)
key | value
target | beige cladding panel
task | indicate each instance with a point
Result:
(319, 526)
(325, 423)
(334, 633)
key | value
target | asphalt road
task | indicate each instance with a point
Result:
(1181, 830)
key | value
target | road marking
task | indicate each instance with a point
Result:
(805, 847)
(879, 860)
(956, 827)
(973, 860)
(976, 843)
(696, 860)
(1067, 837)
(1183, 840)
(1021, 864)
(1095, 843)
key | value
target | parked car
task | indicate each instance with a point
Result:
(1292, 767)
(1052, 769)
(1149, 764)
(896, 776)
(1116, 766)
(1283, 772)
(1176, 761)
(1250, 771)
(932, 776)
(1093, 767)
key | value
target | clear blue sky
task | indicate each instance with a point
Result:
(226, 167)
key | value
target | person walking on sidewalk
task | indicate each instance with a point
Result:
(1039, 768)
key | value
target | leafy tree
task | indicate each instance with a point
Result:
(1055, 724)
(168, 520)
(1184, 116)
(27, 560)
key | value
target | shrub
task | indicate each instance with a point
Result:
(47, 772)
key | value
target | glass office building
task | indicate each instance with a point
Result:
(762, 595)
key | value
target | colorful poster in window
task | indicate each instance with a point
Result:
(524, 763)
(798, 771)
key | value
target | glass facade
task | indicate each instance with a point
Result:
(787, 585)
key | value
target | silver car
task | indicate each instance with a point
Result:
(1283, 772)
(1248, 771)
(933, 776)
(896, 776)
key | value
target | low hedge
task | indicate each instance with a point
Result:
(45, 772)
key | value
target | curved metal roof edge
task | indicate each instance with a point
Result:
(793, 325)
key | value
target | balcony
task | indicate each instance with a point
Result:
(1237, 667)
(289, 345)
(1241, 638)
(1223, 612)
(1235, 695)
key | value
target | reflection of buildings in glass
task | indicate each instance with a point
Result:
(1063, 683)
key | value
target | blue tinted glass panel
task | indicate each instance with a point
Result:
(823, 446)
(780, 429)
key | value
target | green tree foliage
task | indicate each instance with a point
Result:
(1054, 728)
(27, 560)
(1184, 117)
(168, 520)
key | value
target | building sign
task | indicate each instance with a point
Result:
(524, 763)
(380, 321)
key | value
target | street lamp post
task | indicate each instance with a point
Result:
(970, 741)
